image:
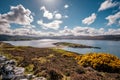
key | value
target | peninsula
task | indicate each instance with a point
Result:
(74, 45)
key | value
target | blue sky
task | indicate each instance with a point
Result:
(60, 17)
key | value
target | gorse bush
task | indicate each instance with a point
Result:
(101, 62)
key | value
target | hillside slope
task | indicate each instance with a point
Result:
(53, 63)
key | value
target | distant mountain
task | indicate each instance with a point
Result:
(15, 38)
(101, 37)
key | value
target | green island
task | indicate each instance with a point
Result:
(74, 45)
(57, 64)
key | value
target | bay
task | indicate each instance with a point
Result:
(112, 47)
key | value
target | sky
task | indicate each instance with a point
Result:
(60, 17)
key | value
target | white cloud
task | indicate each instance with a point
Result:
(112, 19)
(18, 15)
(4, 27)
(24, 30)
(119, 22)
(85, 31)
(66, 31)
(89, 20)
(46, 13)
(49, 15)
(21, 31)
(52, 25)
(65, 27)
(29, 26)
(113, 32)
(88, 31)
(66, 6)
(77, 31)
(58, 16)
(107, 4)
(66, 16)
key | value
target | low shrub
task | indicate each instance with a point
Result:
(54, 75)
(101, 62)
(29, 68)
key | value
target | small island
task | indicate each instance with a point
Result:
(73, 45)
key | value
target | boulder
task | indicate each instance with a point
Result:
(19, 70)
(2, 59)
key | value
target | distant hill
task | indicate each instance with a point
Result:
(101, 37)
(15, 38)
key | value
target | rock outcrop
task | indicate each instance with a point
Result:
(9, 71)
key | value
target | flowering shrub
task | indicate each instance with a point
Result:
(101, 62)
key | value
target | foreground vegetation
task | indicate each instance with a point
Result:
(57, 64)
(100, 61)
(73, 45)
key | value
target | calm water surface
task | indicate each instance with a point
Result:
(112, 47)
